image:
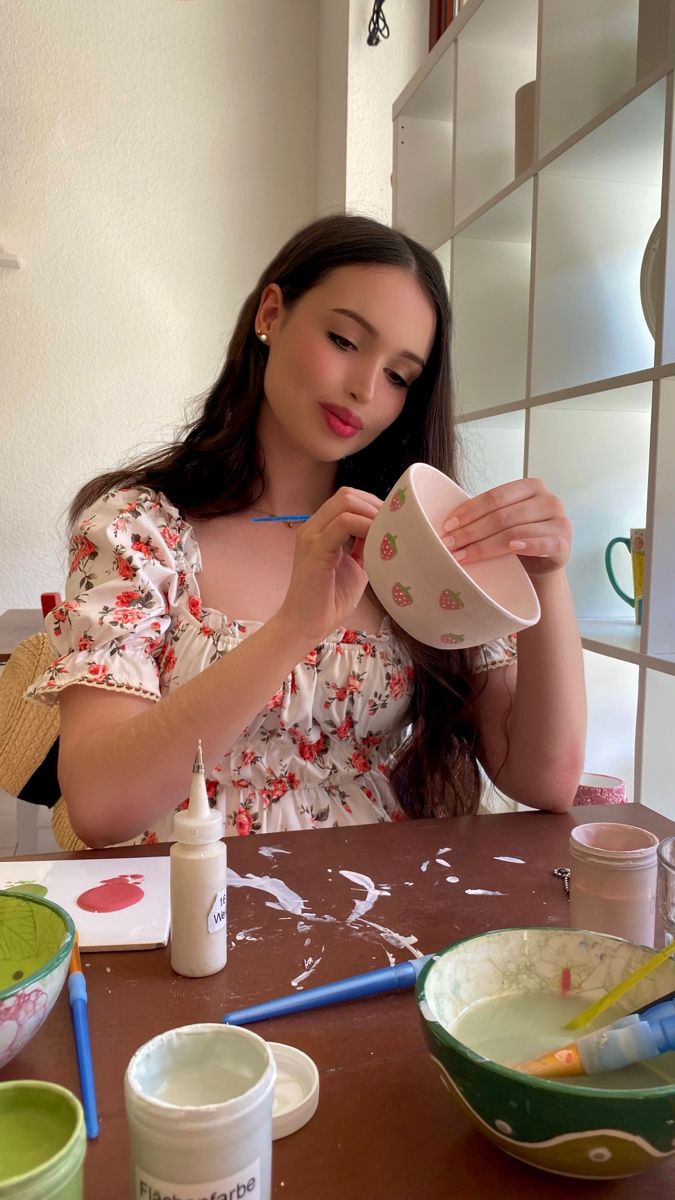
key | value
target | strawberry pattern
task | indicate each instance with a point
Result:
(319, 753)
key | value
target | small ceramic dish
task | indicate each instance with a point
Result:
(591, 1127)
(419, 583)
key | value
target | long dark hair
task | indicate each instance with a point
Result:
(216, 468)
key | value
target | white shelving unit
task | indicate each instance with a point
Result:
(557, 373)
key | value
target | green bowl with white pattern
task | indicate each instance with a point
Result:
(590, 1129)
(36, 942)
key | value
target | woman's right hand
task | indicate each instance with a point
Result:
(328, 578)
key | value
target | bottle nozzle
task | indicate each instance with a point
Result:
(198, 764)
(198, 823)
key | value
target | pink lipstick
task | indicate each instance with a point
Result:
(341, 421)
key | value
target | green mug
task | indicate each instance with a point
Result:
(636, 547)
(42, 1142)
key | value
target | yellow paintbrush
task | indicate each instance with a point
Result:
(594, 1010)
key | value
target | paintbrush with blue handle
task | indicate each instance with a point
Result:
(371, 983)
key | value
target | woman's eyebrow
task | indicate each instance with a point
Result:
(349, 312)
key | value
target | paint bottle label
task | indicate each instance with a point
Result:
(243, 1185)
(218, 913)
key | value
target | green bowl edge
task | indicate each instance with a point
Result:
(64, 952)
(544, 1085)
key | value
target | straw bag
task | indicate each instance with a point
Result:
(28, 731)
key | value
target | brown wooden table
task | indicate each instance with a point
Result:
(15, 625)
(385, 1128)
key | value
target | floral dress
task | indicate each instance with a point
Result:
(133, 621)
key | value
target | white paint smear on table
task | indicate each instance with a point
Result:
(442, 863)
(424, 865)
(270, 851)
(507, 858)
(244, 935)
(482, 892)
(310, 966)
(287, 899)
(361, 907)
(452, 878)
(445, 850)
(395, 939)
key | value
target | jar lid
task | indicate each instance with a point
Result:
(296, 1091)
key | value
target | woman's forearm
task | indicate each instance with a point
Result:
(547, 724)
(120, 773)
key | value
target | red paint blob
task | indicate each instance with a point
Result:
(112, 894)
(565, 980)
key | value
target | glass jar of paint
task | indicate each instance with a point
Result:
(613, 880)
(199, 1106)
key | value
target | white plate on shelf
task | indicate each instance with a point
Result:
(649, 277)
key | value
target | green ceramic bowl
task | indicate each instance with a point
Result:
(36, 940)
(586, 1130)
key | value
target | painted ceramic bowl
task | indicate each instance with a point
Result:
(595, 1127)
(420, 584)
(36, 940)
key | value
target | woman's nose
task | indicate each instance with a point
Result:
(362, 382)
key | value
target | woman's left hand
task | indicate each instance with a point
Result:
(521, 518)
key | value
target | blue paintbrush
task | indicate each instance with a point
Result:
(283, 517)
(371, 983)
(77, 991)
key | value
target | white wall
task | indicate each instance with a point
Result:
(358, 84)
(377, 74)
(154, 155)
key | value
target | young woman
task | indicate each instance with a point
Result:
(186, 620)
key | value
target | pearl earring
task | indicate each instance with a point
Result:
(262, 336)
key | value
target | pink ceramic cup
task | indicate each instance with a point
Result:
(600, 789)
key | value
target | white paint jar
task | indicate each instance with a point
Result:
(199, 1107)
(613, 880)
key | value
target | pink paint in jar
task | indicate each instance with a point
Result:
(613, 880)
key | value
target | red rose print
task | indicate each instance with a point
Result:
(342, 731)
(396, 686)
(243, 822)
(124, 569)
(126, 598)
(128, 616)
(349, 636)
(359, 762)
(195, 607)
(98, 670)
(170, 538)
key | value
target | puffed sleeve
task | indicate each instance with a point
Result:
(493, 655)
(124, 574)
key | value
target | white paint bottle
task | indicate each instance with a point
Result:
(198, 884)
(199, 1108)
